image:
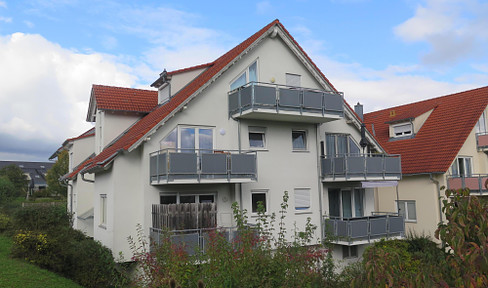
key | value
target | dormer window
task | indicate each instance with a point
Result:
(401, 130)
(249, 75)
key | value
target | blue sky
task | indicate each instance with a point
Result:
(380, 53)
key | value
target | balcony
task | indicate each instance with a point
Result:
(482, 141)
(475, 183)
(189, 166)
(362, 230)
(375, 167)
(264, 101)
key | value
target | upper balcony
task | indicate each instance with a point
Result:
(189, 166)
(475, 183)
(482, 141)
(264, 101)
(361, 230)
(371, 167)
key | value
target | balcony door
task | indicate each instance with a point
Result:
(346, 202)
(340, 145)
(187, 139)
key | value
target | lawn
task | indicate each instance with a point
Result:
(18, 273)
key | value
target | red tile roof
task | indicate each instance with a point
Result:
(206, 65)
(124, 99)
(89, 133)
(143, 126)
(439, 140)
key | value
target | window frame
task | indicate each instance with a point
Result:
(266, 204)
(177, 130)
(246, 72)
(336, 136)
(353, 202)
(403, 133)
(103, 211)
(349, 252)
(304, 209)
(481, 124)
(178, 196)
(403, 204)
(305, 142)
(467, 163)
(288, 78)
(257, 130)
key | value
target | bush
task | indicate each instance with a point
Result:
(42, 218)
(7, 190)
(4, 222)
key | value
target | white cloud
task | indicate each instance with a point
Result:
(5, 19)
(3, 4)
(45, 88)
(29, 24)
(453, 29)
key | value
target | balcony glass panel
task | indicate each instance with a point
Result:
(361, 167)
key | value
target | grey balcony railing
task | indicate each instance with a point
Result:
(369, 228)
(475, 182)
(482, 141)
(195, 166)
(280, 98)
(361, 167)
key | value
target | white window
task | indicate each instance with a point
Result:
(186, 198)
(349, 252)
(249, 75)
(462, 167)
(407, 210)
(258, 198)
(164, 93)
(189, 138)
(481, 124)
(299, 140)
(103, 209)
(340, 145)
(403, 129)
(346, 203)
(302, 199)
(293, 80)
(257, 137)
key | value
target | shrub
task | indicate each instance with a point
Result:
(42, 218)
(7, 190)
(4, 222)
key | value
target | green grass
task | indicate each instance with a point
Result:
(18, 273)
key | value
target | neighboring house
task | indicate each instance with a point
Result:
(260, 120)
(34, 171)
(442, 142)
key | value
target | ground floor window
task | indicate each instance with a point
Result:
(349, 252)
(257, 197)
(346, 202)
(407, 209)
(186, 198)
(302, 199)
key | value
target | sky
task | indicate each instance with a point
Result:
(379, 53)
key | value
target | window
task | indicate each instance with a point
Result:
(481, 124)
(407, 210)
(249, 75)
(188, 139)
(257, 137)
(257, 198)
(299, 140)
(293, 80)
(340, 145)
(349, 252)
(346, 203)
(186, 198)
(401, 130)
(302, 199)
(462, 167)
(103, 209)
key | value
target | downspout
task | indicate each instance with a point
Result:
(320, 187)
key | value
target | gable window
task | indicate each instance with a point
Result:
(462, 167)
(407, 209)
(346, 203)
(103, 210)
(257, 137)
(258, 197)
(249, 75)
(349, 252)
(293, 80)
(189, 138)
(302, 199)
(401, 130)
(340, 144)
(481, 124)
(299, 140)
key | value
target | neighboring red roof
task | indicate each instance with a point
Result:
(89, 133)
(143, 126)
(439, 140)
(124, 99)
(190, 68)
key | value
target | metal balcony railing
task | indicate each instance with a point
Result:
(475, 182)
(361, 167)
(365, 229)
(280, 99)
(195, 166)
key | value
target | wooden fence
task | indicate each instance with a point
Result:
(184, 216)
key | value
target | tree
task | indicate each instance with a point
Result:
(17, 177)
(59, 169)
(7, 189)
